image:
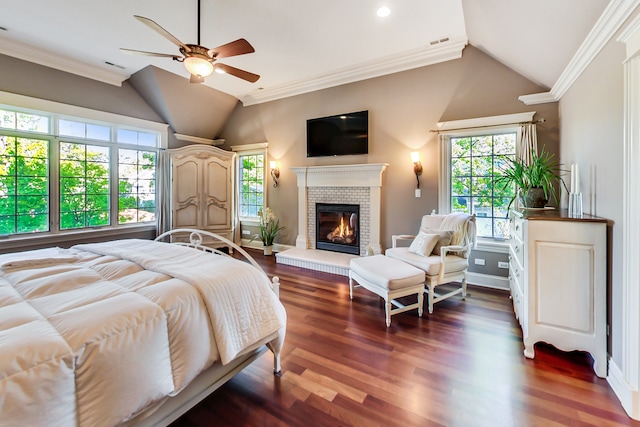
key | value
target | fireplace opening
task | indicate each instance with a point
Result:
(338, 227)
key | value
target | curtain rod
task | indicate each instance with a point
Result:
(540, 120)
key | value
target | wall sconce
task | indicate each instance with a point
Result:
(417, 166)
(275, 173)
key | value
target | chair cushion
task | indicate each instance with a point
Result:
(424, 243)
(429, 264)
(444, 239)
(387, 273)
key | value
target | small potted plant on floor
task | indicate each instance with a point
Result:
(269, 229)
(535, 182)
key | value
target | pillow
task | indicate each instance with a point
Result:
(444, 238)
(423, 244)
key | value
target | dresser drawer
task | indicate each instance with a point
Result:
(516, 248)
(516, 296)
(517, 227)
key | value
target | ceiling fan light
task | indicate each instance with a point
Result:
(198, 66)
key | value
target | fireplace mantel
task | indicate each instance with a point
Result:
(358, 175)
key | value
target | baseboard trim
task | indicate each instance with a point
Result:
(488, 281)
(628, 396)
(257, 244)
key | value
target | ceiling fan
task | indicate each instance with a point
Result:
(200, 61)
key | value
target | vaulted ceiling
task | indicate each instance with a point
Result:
(300, 46)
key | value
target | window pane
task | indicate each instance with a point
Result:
(136, 186)
(251, 184)
(7, 119)
(32, 122)
(475, 162)
(147, 139)
(24, 185)
(84, 185)
(71, 128)
(127, 136)
(102, 133)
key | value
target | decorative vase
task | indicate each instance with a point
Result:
(268, 250)
(533, 198)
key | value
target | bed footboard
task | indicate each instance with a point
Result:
(193, 238)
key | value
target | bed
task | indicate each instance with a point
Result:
(129, 332)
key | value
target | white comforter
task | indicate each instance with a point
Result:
(96, 334)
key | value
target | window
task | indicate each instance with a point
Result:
(136, 186)
(251, 188)
(475, 162)
(24, 185)
(471, 153)
(61, 173)
(84, 185)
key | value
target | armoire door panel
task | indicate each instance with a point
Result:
(185, 181)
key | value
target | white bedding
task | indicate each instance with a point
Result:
(98, 333)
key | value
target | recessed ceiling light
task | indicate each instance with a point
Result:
(383, 12)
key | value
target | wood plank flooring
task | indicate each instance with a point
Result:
(460, 366)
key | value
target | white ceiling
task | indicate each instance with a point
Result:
(300, 45)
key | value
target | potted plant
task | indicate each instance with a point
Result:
(269, 229)
(535, 182)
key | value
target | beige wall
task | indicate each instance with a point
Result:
(403, 109)
(591, 114)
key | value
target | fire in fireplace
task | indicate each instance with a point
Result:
(337, 227)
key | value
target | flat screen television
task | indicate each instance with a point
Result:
(339, 135)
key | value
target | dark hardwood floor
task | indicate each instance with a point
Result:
(460, 366)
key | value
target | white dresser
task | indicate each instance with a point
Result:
(557, 275)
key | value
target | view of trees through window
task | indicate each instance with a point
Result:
(475, 162)
(136, 186)
(251, 184)
(84, 187)
(24, 185)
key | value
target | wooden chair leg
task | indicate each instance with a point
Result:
(432, 295)
(350, 288)
(464, 287)
(387, 311)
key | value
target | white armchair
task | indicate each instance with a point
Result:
(441, 249)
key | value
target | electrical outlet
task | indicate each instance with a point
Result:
(503, 264)
(479, 261)
(245, 232)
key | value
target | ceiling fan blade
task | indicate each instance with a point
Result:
(238, 47)
(145, 53)
(245, 75)
(196, 79)
(164, 33)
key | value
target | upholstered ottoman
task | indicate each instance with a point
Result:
(390, 279)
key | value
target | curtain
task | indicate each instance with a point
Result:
(526, 142)
(163, 186)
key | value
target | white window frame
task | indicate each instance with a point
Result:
(55, 111)
(473, 127)
(248, 150)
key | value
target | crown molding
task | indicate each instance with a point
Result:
(42, 57)
(197, 139)
(423, 56)
(614, 15)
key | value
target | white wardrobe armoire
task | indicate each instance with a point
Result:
(202, 189)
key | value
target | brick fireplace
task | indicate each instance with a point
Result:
(358, 184)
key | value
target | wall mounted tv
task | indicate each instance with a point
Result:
(339, 135)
